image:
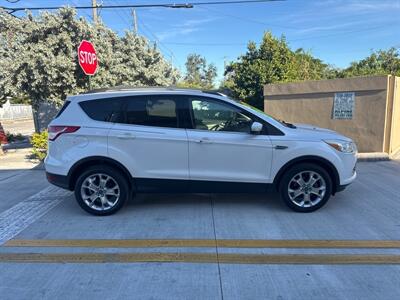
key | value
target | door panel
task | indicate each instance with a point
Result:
(226, 156)
(150, 152)
(147, 139)
(221, 147)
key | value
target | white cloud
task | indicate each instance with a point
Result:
(361, 6)
(328, 27)
(373, 6)
(184, 28)
(175, 32)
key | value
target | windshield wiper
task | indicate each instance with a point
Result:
(290, 125)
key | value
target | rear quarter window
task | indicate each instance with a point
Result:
(105, 110)
(66, 103)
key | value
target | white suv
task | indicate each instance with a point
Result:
(109, 144)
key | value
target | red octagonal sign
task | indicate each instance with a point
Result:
(87, 57)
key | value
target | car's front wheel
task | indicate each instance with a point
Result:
(101, 190)
(306, 187)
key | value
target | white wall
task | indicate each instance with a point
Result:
(15, 111)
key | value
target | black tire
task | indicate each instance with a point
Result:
(287, 179)
(117, 176)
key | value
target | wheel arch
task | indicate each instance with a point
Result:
(84, 163)
(320, 161)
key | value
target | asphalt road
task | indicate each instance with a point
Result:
(201, 246)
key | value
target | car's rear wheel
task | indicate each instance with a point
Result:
(306, 187)
(101, 190)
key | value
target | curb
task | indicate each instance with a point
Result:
(40, 166)
(373, 156)
(17, 145)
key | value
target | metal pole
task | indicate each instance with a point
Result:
(135, 27)
(90, 85)
(94, 11)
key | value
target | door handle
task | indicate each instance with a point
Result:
(125, 136)
(204, 141)
(280, 147)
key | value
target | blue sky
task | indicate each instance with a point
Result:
(337, 31)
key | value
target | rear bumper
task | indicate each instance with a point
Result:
(58, 180)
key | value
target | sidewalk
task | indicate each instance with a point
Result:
(16, 159)
(22, 126)
(373, 156)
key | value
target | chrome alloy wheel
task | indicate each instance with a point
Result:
(306, 189)
(100, 191)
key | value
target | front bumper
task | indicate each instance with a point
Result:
(349, 180)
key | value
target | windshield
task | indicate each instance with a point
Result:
(284, 123)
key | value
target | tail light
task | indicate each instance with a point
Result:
(56, 131)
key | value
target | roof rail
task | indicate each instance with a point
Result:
(125, 88)
(214, 92)
(130, 88)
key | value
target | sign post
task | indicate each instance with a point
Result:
(87, 58)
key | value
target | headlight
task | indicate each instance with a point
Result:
(342, 146)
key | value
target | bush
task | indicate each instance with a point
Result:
(39, 143)
(14, 137)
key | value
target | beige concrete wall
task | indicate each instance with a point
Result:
(312, 102)
(389, 113)
(395, 128)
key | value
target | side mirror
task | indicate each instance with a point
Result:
(256, 127)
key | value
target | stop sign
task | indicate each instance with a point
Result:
(87, 57)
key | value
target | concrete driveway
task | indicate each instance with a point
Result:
(201, 246)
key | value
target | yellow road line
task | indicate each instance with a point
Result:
(159, 243)
(320, 259)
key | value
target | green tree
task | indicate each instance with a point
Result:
(20, 100)
(273, 61)
(381, 62)
(199, 74)
(39, 60)
(310, 68)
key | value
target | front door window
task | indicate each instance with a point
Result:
(214, 116)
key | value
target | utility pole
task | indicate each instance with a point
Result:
(225, 63)
(94, 11)
(135, 28)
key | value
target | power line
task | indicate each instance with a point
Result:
(88, 15)
(126, 16)
(246, 19)
(343, 32)
(123, 17)
(289, 39)
(162, 5)
(160, 44)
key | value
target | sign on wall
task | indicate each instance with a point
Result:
(343, 106)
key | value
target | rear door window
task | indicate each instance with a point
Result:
(159, 111)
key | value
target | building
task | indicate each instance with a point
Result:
(366, 109)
